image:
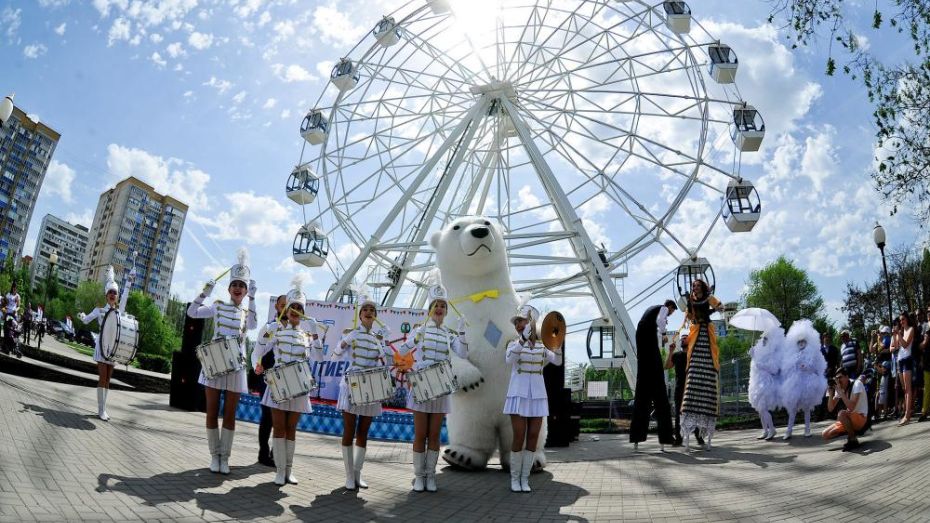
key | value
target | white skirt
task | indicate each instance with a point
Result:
(343, 404)
(233, 382)
(439, 405)
(298, 404)
(98, 356)
(527, 407)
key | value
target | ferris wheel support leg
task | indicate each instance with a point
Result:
(606, 295)
(427, 168)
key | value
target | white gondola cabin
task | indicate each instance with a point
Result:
(677, 17)
(748, 128)
(741, 206)
(693, 268)
(601, 346)
(314, 128)
(348, 295)
(439, 7)
(386, 32)
(345, 75)
(303, 185)
(723, 63)
(311, 246)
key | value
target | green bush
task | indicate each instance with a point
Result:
(154, 363)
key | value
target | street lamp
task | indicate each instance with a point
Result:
(878, 234)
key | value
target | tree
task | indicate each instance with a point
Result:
(175, 314)
(156, 336)
(897, 85)
(87, 296)
(785, 291)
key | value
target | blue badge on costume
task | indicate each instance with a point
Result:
(492, 334)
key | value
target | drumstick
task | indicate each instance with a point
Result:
(458, 312)
(222, 274)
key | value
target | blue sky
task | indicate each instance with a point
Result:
(203, 98)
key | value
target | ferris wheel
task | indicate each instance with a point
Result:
(551, 117)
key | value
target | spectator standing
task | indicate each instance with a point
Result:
(920, 323)
(852, 418)
(28, 315)
(925, 362)
(830, 353)
(904, 336)
(850, 357)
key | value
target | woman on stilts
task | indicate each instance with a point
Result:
(700, 407)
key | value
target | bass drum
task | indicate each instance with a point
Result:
(119, 337)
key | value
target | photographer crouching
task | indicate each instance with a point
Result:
(853, 417)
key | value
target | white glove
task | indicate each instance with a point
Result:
(461, 325)
(208, 287)
(528, 330)
(383, 332)
(252, 289)
(81, 316)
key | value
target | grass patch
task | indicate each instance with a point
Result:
(83, 349)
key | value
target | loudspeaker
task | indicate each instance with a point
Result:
(186, 393)
(564, 423)
(192, 335)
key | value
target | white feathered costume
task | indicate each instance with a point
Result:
(765, 377)
(802, 371)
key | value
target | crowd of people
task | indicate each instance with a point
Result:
(26, 324)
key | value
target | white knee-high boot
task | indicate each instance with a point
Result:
(213, 443)
(291, 445)
(765, 426)
(102, 404)
(419, 471)
(792, 413)
(359, 462)
(347, 460)
(226, 446)
(516, 467)
(279, 447)
(432, 457)
(525, 469)
(710, 436)
(767, 416)
(807, 423)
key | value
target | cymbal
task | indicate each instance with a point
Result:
(552, 333)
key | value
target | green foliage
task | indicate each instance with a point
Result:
(733, 346)
(154, 363)
(175, 314)
(617, 384)
(897, 84)
(156, 336)
(87, 296)
(785, 290)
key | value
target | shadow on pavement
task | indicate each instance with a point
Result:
(62, 418)
(347, 502)
(866, 448)
(722, 455)
(242, 503)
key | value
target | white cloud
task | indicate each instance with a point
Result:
(264, 19)
(220, 85)
(336, 27)
(85, 218)
(188, 94)
(325, 68)
(270, 103)
(156, 38)
(175, 49)
(248, 8)
(285, 114)
(11, 20)
(200, 41)
(34, 51)
(58, 180)
(171, 176)
(254, 220)
(120, 30)
(239, 97)
(60, 30)
(291, 73)
(53, 3)
(159, 61)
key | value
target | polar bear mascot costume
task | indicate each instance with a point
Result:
(472, 261)
(802, 370)
(765, 378)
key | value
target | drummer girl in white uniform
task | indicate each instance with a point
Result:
(290, 343)
(527, 402)
(366, 349)
(104, 366)
(229, 319)
(432, 344)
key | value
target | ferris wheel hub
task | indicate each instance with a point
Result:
(495, 89)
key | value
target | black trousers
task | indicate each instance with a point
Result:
(264, 431)
(650, 392)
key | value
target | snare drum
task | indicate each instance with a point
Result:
(434, 381)
(220, 357)
(119, 337)
(289, 380)
(369, 385)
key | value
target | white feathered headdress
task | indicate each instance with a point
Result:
(240, 271)
(111, 284)
(296, 294)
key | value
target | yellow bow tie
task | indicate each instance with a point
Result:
(478, 296)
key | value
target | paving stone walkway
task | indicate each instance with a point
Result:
(58, 462)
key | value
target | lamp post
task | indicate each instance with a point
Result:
(878, 234)
(52, 261)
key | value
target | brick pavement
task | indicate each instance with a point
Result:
(58, 462)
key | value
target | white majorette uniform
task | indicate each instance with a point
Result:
(100, 312)
(433, 344)
(526, 395)
(228, 320)
(289, 344)
(12, 303)
(367, 350)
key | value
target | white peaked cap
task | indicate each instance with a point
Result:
(364, 299)
(111, 284)
(240, 271)
(296, 294)
(526, 312)
(437, 292)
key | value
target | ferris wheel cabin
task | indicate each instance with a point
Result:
(311, 246)
(439, 7)
(303, 185)
(723, 63)
(348, 295)
(386, 32)
(601, 346)
(314, 128)
(748, 128)
(741, 206)
(677, 17)
(345, 75)
(691, 269)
